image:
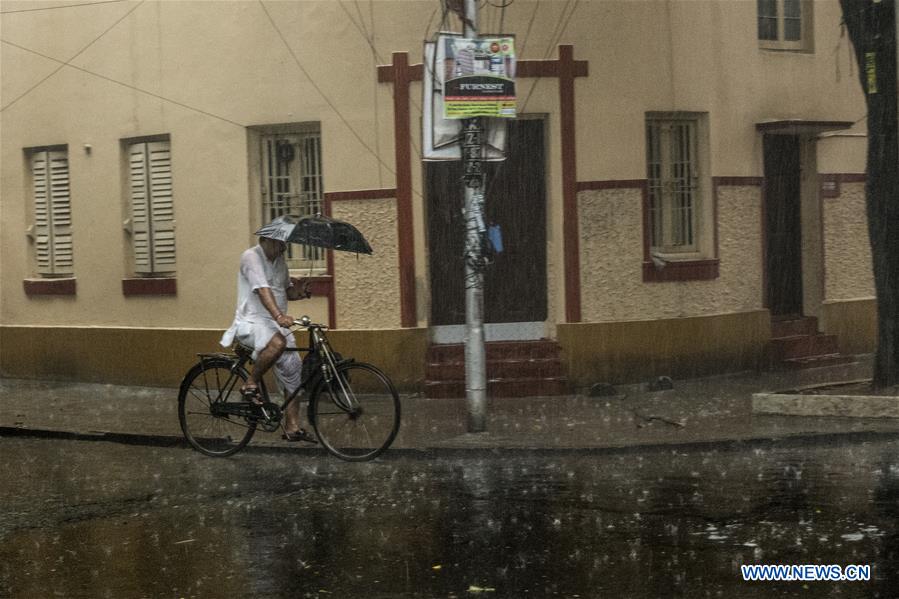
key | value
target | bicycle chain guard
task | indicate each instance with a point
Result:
(270, 417)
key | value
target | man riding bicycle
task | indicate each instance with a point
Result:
(264, 286)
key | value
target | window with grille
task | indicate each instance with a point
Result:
(784, 24)
(672, 161)
(152, 216)
(292, 184)
(52, 228)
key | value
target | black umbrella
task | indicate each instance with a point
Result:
(320, 231)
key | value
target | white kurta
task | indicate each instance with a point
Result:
(253, 325)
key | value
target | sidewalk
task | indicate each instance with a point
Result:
(700, 411)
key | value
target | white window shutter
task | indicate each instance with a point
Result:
(162, 206)
(152, 208)
(40, 173)
(140, 210)
(61, 213)
(52, 213)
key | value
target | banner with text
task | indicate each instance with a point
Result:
(479, 77)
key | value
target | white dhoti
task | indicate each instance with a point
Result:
(253, 326)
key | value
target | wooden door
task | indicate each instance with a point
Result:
(783, 225)
(515, 284)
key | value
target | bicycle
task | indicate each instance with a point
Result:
(353, 407)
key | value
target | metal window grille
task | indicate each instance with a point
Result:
(293, 184)
(672, 173)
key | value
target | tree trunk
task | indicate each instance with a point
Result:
(872, 29)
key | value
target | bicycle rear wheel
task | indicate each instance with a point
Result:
(204, 390)
(357, 415)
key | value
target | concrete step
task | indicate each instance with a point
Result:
(514, 369)
(817, 361)
(496, 350)
(803, 346)
(790, 327)
(498, 369)
(520, 387)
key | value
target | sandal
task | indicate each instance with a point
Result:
(251, 394)
(300, 435)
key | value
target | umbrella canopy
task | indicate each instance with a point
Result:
(319, 231)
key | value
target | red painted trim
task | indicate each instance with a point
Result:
(689, 270)
(414, 72)
(329, 264)
(320, 286)
(715, 241)
(523, 68)
(49, 286)
(828, 187)
(647, 223)
(548, 68)
(764, 252)
(404, 224)
(401, 73)
(361, 194)
(611, 184)
(822, 247)
(738, 181)
(846, 177)
(570, 234)
(150, 286)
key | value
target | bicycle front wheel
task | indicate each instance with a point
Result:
(207, 426)
(356, 415)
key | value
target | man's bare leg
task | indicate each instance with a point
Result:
(266, 358)
(292, 415)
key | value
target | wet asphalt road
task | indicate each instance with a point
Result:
(96, 519)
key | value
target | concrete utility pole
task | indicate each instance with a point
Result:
(472, 168)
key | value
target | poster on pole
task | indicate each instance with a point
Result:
(479, 76)
(441, 136)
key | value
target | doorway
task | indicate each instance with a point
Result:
(783, 225)
(515, 284)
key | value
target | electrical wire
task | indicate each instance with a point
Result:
(126, 85)
(528, 32)
(320, 91)
(552, 44)
(76, 55)
(9, 12)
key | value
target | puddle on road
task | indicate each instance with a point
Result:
(580, 526)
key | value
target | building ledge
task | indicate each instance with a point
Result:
(150, 286)
(687, 270)
(49, 286)
(801, 126)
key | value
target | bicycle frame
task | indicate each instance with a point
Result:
(318, 341)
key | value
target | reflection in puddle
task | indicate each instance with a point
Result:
(656, 525)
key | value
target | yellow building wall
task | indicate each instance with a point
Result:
(611, 243)
(632, 351)
(162, 356)
(206, 73)
(847, 248)
(366, 288)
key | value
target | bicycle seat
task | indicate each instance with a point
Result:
(243, 350)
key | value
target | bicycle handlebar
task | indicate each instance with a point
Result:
(306, 323)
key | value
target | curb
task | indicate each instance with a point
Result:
(731, 444)
(843, 406)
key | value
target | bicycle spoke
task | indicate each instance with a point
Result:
(213, 433)
(367, 428)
